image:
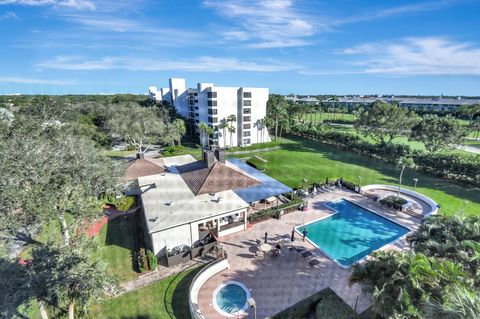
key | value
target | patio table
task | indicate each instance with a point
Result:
(265, 248)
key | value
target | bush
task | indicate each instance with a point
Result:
(142, 260)
(272, 211)
(124, 203)
(172, 150)
(393, 202)
(152, 260)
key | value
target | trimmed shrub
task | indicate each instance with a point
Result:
(142, 260)
(152, 260)
(124, 203)
(273, 211)
(393, 202)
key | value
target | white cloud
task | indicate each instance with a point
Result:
(265, 23)
(417, 56)
(23, 80)
(73, 4)
(8, 15)
(200, 64)
(370, 15)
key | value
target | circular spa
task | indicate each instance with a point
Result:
(230, 298)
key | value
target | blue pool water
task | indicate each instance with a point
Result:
(352, 233)
(231, 298)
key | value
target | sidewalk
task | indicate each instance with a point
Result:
(162, 272)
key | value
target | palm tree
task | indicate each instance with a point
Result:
(223, 126)
(232, 119)
(180, 128)
(203, 132)
(231, 129)
(403, 162)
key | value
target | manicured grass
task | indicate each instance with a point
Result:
(188, 148)
(398, 140)
(118, 153)
(116, 246)
(325, 116)
(299, 159)
(167, 298)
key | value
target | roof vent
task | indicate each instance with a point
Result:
(171, 203)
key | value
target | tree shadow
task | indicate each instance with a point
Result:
(121, 232)
(180, 298)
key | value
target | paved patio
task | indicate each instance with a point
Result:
(279, 282)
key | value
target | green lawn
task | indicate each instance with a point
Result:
(399, 140)
(324, 116)
(118, 153)
(167, 298)
(116, 246)
(299, 159)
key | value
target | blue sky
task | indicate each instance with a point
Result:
(291, 46)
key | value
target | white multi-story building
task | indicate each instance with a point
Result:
(243, 109)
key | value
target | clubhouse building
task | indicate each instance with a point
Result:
(185, 200)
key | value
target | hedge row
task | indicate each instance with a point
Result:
(272, 211)
(393, 202)
(453, 166)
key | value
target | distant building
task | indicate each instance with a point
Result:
(212, 104)
(435, 104)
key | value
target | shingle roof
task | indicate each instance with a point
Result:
(214, 179)
(143, 167)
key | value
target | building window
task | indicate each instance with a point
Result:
(246, 141)
(247, 111)
(197, 121)
(212, 103)
(247, 95)
(196, 108)
(196, 114)
(247, 126)
(247, 118)
(190, 114)
(212, 119)
(190, 102)
(212, 95)
(247, 103)
(191, 108)
(196, 101)
(212, 111)
(246, 133)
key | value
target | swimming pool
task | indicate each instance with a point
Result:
(230, 298)
(352, 233)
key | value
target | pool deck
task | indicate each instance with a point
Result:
(279, 282)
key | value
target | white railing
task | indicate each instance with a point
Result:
(433, 205)
(205, 274)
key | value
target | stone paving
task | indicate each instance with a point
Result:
(279, 282)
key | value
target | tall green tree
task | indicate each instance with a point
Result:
(69, 276)
(383, 122)
(137, 126)
(223, 126)
(47, 174)
(276, 108)
(232, 120)
(180, 128)
(438, 133)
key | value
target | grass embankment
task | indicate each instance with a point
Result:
(167, 298)
(304, 159)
